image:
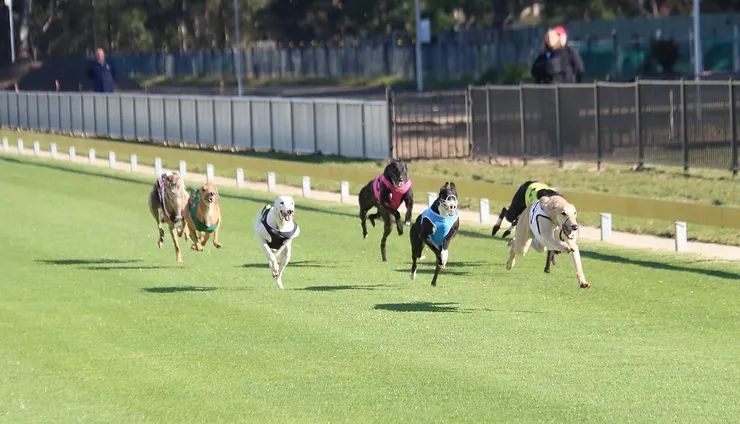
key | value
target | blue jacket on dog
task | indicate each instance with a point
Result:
(442, 225)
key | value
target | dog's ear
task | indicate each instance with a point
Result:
(547, 205)
(452, 186)
(445, 186)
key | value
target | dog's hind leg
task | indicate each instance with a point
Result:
(176, 242)
(549, 258)
(386, 232)
(437, 269)
(363, 221)
(498, 223)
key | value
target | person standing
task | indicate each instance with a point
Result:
(102, 73)
(573, 56)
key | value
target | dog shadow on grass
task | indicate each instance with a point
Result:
(177, 289)
(92, 262)
(343, 287)
(659, 265)
(292, 264)
(420, 307)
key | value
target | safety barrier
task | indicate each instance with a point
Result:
(350, 128)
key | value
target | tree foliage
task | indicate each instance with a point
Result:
(63, 27)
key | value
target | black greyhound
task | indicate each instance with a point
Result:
(386, 193)
(528, 193)
(436, 227)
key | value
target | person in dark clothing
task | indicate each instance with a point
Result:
(558, 63)
(102, 73)
(574, 57)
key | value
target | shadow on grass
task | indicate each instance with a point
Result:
(342, 288)
(87, 261)
(429, 270)
(660, 265)
(299, 264)
(177, 289)
(418, 307)
(133, 267)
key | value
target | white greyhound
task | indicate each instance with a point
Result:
(276, 228)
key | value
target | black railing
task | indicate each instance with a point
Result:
(433, 125)
(688, 124)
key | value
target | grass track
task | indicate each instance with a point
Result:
(102, 326)
(704, 187)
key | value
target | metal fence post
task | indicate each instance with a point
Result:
(213, 122)
(197, 124)
(179, 119)
(364, 131)
(521, 124)
(316, 131)
(597, 127)
(120, 114)
(149, 116)
(558, 141)
(339, 130)
(488, 118)
(164, 119)
(638, 128)
(272, 133)
(684, 129)
(292, 128)
(391, 127)
(468, 120)
(733, 129)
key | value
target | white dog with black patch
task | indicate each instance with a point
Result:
(276, 228)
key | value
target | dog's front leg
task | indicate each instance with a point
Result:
(284, 255)
(160, 221)
(408, 201)
(176, 242)
(271, 258)
(498, 223)
(386, 233)
(445, 252)
(215, 234)
(576, 255)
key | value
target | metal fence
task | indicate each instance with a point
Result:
(688, 124)
(350, 128)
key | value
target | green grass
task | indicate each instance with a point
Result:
(100, 325)
(711, 187)
(357, 82)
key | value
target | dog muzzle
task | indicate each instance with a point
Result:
(450, 204)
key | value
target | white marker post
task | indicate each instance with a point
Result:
(20, 146)
(112, 160)
(36, 148)
(132, 162)
(72, 154)
(606, 226)
(183, 168)
(306, 186)
(157, 167)
(53, 150)
(344, 192)
(91, 156)
(239, 177)
(209, 173)
(431, 197)
(485, 211)
(5, 144)
(681, 242)
(271, 182)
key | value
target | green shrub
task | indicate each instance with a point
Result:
(506, 75)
